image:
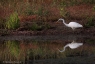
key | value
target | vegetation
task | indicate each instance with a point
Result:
(2, 23)
(14, 12)
(39, 26)
(13, 21)
(90, 22)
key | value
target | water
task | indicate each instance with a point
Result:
(44, 49)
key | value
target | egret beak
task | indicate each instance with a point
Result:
(57, 22)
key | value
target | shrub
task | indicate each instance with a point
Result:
(89, 22)
(34, 27)
(40, 26)
(2, 22)
(28, 9)
(63, 12)
(13, 21)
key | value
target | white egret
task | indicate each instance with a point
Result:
(72, 45)
(73, 25)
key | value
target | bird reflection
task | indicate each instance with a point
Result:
(72, 45)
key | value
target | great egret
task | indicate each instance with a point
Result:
(73, 25)
(72, 45)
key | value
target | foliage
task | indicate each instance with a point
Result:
(63, 12)
(45, 10)
(94, 8)
(90, 22)
(42, 11)
(13, 21)
(90, 41)
(2, 23)
(34, 26)
(28, 10)
(39, 26)
(76, 2)
(88, 1)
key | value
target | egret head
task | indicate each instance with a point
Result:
(60, 19)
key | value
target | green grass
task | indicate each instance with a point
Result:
(76, 2)
(40, 26)
(28, 11)
(34, 27)
(90, 22)
(13, 21)
(2, 23)
(89, 1)
(63, 12)
(44, 11)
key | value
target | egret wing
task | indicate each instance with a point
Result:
(75, 24)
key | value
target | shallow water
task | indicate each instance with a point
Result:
(44, 49)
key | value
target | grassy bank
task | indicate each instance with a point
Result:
(40, 12)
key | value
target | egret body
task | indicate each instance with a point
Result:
(73, 25)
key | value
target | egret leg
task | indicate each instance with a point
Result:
(73, 30)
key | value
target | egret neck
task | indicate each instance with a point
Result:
(65, 23)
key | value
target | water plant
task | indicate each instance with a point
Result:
(13, 21)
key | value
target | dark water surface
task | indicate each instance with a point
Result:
(45, 49)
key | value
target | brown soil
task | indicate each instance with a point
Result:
(58, 29)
